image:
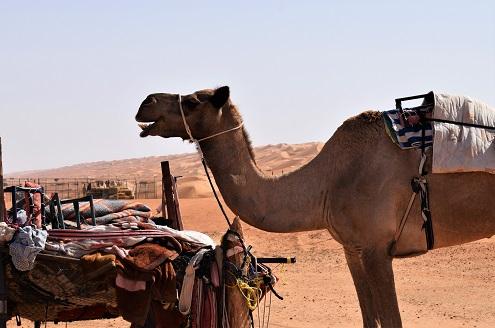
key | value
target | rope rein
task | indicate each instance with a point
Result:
(215, 192)
(203, 161)
(250, 287)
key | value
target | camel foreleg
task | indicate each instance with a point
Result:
(363, 289)
(377, 265)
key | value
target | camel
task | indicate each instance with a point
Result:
(357, 188)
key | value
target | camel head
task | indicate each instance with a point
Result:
(204, 111)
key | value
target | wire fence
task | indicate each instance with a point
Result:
(68, 188)
(116, 187)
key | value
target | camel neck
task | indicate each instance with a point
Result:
(286, 203)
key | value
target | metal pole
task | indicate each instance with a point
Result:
(3, 294)
(3, 287)
(2, 197)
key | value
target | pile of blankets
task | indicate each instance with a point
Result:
(146, 282)
(143, 257)
(107, 211)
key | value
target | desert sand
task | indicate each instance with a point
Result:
(451, 287)
(272, 159)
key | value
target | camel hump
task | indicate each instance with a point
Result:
(369, 116)
(363, 120)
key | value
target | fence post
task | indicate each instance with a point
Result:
(136, 189)
(154, 183)
(170, 202)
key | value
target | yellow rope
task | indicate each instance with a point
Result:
(250, 289)
(250, 293)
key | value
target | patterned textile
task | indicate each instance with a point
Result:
(6, 233)
(148, 265)
(27, 243)
(76, 243)
(106, 211)
(405, 130)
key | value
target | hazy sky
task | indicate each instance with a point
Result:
(73, 73)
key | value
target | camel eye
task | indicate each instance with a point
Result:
(190, 103)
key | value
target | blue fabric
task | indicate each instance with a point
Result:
(406, 135)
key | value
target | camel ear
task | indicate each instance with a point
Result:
(220, 97)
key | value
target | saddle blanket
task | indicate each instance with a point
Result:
(459, 148)
(405, 132)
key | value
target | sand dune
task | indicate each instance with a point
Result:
(272, 159)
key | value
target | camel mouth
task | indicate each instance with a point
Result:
(146, 128)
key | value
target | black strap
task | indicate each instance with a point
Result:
(424, 196)
(428, 225)
(251, 319)
(472, 125)
(215, 192)
(270, 285)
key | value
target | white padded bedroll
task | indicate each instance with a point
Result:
(459, 148)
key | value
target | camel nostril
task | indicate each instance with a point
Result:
(150, 100)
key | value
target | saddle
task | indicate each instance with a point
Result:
(461, 132)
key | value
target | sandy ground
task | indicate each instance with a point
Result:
(452, 287)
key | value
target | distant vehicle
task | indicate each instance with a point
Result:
(108, 189)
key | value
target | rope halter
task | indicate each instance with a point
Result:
(197, 141)
(203, 161)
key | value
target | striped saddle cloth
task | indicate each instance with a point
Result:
(406, 130)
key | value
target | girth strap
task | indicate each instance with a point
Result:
(419, 185)
(423, 193)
